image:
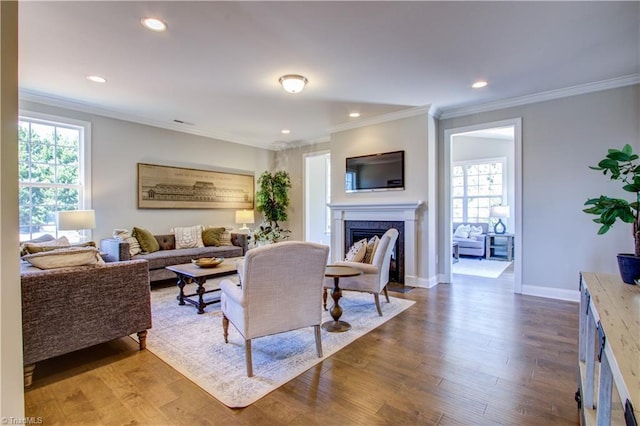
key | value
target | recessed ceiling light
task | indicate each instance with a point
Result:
(479, 84)
(285, 131)
(354, 115)
(96, 79)
(154, 24)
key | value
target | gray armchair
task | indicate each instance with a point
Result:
(375, 276)
(281, 290)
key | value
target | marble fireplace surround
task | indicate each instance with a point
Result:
(406, 212)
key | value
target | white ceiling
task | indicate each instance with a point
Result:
(217, 66)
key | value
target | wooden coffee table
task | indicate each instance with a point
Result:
(189, 273)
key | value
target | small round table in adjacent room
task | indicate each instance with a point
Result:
(338, 271)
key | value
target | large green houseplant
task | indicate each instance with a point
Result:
(620, 165)
(272, 200)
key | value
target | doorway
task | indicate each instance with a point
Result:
(482, 183)
(317, 194)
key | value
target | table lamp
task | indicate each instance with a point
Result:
(499, 212)
(76, 220)
(244, 217)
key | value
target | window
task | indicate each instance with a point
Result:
(53, 171)
(328, 197)
(476, 186)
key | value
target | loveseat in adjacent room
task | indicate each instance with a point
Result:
(470, 237)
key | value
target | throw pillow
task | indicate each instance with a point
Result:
(462, 231)
(31, 247)
(372, 245)
(65, 257)
(125, 235)
(39, 249)
(475, 232)
(188, 237)
(357, 251)
(148, 242)
(212, 236)
(225, 239)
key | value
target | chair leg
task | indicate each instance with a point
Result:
(142, 339)
(318, 340)
(377, 297)
(28, 374)
(386, 294)
(225, 328)
(247, 355)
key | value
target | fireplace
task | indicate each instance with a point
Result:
(355, 230)
(400, 215)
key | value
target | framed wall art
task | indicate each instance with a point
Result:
(166, 187)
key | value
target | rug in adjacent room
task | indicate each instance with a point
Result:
(479, 267)
(194, 345)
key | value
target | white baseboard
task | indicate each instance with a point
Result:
(421, 282)
(551, 293)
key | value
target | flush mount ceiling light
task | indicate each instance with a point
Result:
(479, 84)
(154, 24)
(293, 83)
(96, 79)
(354, 114)
(285, 131)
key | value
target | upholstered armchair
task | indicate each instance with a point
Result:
(375, 276)
(280, 291)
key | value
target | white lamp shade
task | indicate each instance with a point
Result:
(499, 211)
(244, 216)
(74, 220)
(293, 83)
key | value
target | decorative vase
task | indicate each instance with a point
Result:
(629, 266)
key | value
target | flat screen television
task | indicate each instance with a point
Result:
(375, 172)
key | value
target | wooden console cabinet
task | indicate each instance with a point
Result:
(609, 351)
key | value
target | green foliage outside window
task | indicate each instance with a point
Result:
(48, 172)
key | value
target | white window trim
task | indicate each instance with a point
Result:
(85, 152)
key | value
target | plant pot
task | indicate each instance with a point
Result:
(629, 266)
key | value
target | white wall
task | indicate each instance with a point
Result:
(560, 139)
(117, 146)
(11, 376)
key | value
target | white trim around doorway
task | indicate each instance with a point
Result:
(447, 250)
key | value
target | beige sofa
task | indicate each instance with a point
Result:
(66, 309)
(118, 250)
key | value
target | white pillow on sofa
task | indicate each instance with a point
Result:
(462, 231)
(475, 232)
(125, 235)
(188, 236)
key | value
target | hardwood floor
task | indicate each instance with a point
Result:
(467, 353)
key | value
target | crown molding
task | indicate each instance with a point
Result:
(60, 102)
(405, 113)
(542, 96)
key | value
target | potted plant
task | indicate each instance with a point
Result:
(620, 165)
(272, 200)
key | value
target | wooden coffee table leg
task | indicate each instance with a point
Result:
(200, 282)
(181, 284)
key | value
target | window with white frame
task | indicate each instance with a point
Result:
(476, 186)
(53, 170)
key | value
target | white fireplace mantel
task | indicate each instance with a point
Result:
(406, 212)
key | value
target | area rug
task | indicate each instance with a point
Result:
(480, 268)
(193, 344)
